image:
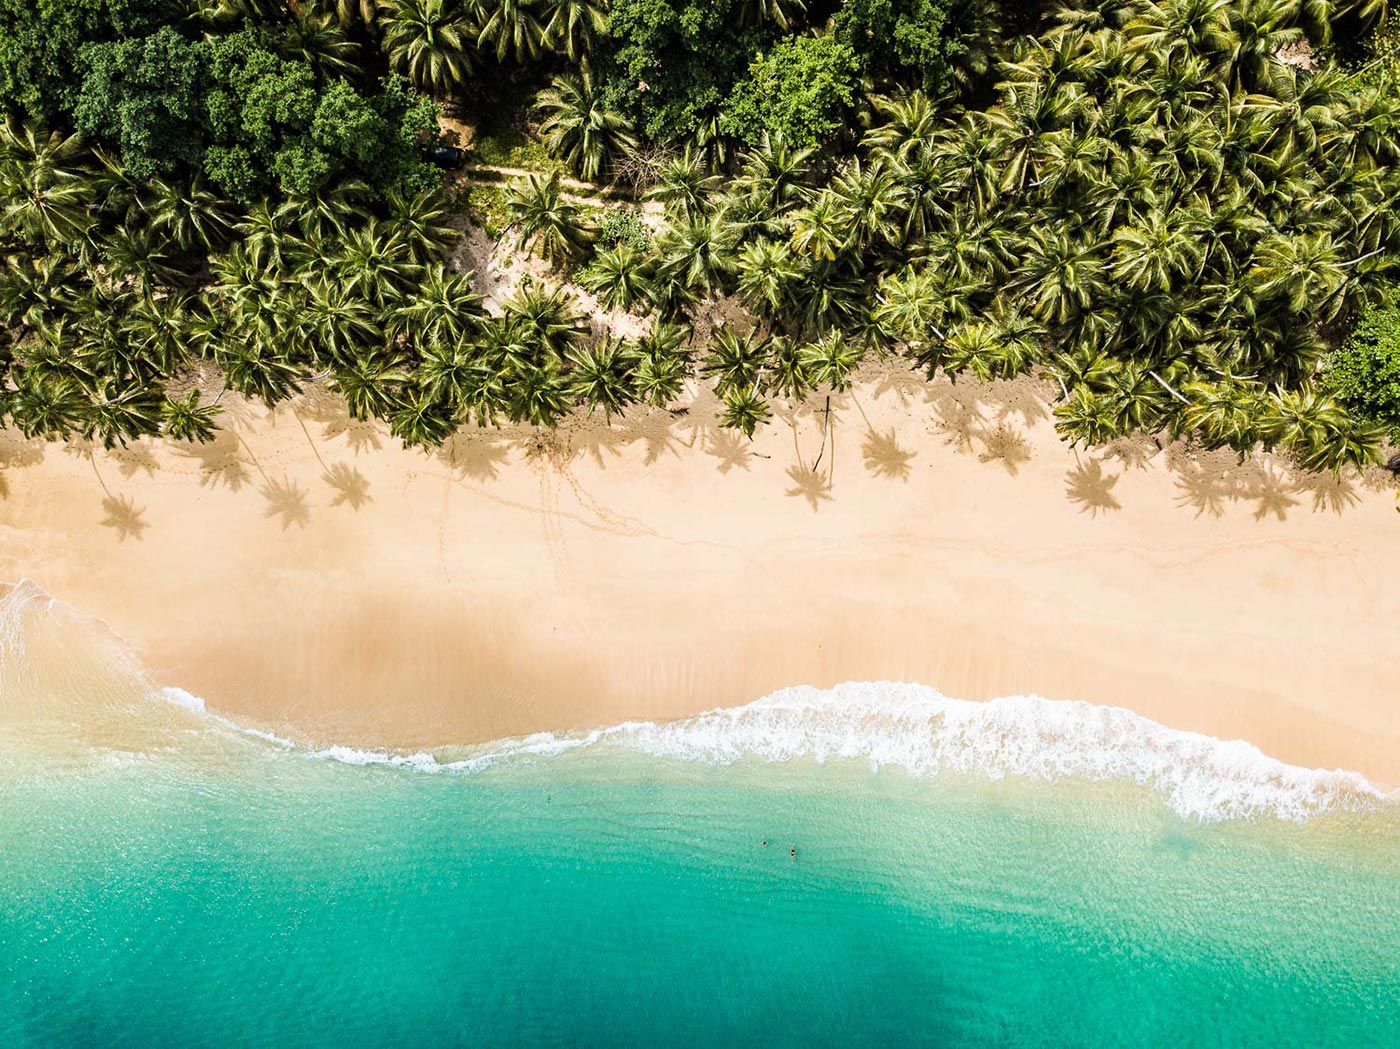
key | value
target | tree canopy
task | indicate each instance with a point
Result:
(1168, 208)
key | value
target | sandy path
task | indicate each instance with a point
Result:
(309, 574)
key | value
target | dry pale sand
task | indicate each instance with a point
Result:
(306, 573)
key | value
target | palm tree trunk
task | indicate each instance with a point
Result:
(826, 428)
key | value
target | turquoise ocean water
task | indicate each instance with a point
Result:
(1021, 874)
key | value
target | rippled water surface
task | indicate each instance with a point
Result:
(874, 866)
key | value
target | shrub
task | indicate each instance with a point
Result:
(1364, 374)
(623, 225)
(798, 90)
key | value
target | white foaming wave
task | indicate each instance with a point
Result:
(195, 705)
(922, 732)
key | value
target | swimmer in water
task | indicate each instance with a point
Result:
(794, 852)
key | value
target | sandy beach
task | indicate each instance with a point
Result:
(307, 574)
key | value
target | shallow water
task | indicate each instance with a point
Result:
(168, 880)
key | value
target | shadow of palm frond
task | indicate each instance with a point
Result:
(79, 447)
(475, 454)
(809, 484)
(1006, 446)
(124, 517)
(1025, 396)
(139, 455)
(1087, 485)
(884, 457)
(360, 436)
(732, 450)
(351, 486)
(1330, 492)
(286, 500)
(957, 415)
(1133, 452)
(16, 451)
(1271, 489)
(220, 460)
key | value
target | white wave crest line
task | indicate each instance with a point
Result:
(902, 725)
(917, 729)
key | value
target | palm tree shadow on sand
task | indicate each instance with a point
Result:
(286, 500)
(884, 457)
(732, 450)
(1087, 485)
(220, 461)
(477, 456)
(1004, 445)
(810, 484)
(124, 517)
(135, 456)
(351, 487)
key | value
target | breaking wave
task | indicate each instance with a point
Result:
(917, 729)
(50, 669)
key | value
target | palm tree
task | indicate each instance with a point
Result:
(157, 328)
(766, 273)
(349, 12)
(540, 394)
(46, 406)
(194, 217)
(1300, 270)
(603, 375)
(577, 126)
(780, 13)
(421, 221)
(370, 383)
(426, 39)
(684, 186)
(443, 310)
(420, 421)
(696, 255)
(185, 419)
(785, 370)
(620, 276)
(139, 254)
(318, 39)
(341, 323)
(832, 361)
(546, 320)
(735, 361)
(664, 365)
(374, 262)
(908, 125)
(774, 178)
(1062, 276)
(744, 410)
(1158, 255)
(121, 414)
(44, 196)
(328, 212)
(866, 201)
(573, 25)
(1258, 31)
(548, 224)
(1086, 419)
(512, 27)
(819, 230)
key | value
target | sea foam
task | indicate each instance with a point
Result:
(917, 729)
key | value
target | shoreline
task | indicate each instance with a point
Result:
(297, 577)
